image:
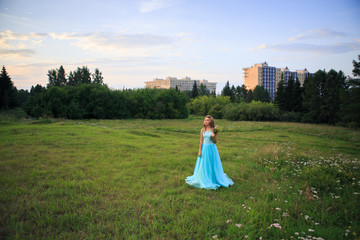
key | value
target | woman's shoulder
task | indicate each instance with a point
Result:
(202, 130)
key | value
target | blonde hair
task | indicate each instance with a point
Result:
(212, 121)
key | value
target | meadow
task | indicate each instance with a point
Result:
(124, 179)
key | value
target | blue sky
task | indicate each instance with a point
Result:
(137, 40)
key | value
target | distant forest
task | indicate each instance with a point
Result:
(326, 97)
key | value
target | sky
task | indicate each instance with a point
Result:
(133, 41)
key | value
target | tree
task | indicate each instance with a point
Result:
(8, 92)
(85, 75)
(57, 77)
(280, 98)
(350, 97)
(289, 91)
(227, 91)
(80, 76)
(261, 94)
(312, 97)
(356, 70)
(61, 77)
(241, 93)
(233, 93)
(203, 91)
(297, 99)
(71, 80)
(23, 97)
(249, 96)
(52, 76)
(97, 77)
(331, 90)
(195, 91)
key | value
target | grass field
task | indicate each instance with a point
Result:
(124, 179)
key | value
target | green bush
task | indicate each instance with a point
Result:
(254, 111)
(202, 105)
(216, 111)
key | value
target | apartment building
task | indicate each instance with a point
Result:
(264, 75)
(182, 84)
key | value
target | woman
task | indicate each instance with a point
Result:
(208, 172)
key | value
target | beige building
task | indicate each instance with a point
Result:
(268, 77)
(182, 84)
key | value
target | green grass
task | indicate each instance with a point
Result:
(125, 179)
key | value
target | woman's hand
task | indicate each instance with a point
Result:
(213, 135)
(199, 154)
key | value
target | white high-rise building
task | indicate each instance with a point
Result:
(182, 84)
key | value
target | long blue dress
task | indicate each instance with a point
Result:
(208, 172)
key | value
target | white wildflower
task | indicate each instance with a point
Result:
(275, 225)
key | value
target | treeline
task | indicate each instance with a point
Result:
(83, 95)
(87, 101)
(326, 97)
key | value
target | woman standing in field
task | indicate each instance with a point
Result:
(208, 172)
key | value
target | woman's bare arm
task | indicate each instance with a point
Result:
(201, 142)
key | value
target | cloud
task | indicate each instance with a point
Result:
(312, 48)
(294, 45)
(262, 46)
(8, 35)
(19, 53)
(120, 43)
(152, 5)
(318, 33)
(17, 44)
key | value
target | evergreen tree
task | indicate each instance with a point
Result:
(312, 97)
(71, 80)
(85, 75)
(249, 96)
(57, 77)
(243, 91)
(227, 91)
(97, 77)
(289, 90)
(23, 97)
(330, 93)
(52, 76)
(8, 92)
(232, 93)
(80, 76)
(280, 98)
(356, 70)
(261, 94)
(61, 77)
(297, 99)
(194, 92)
(350, 97)
(203, 91)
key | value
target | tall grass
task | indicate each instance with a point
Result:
(124, 179)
